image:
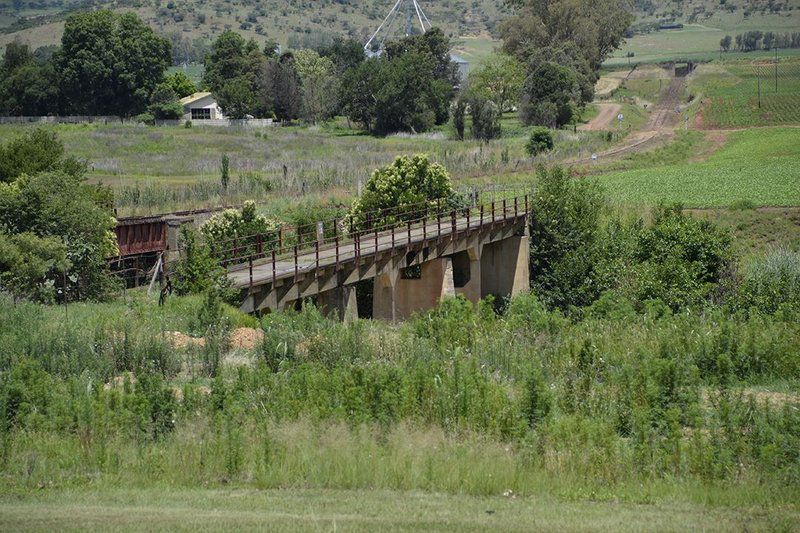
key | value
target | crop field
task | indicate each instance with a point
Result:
(758, 167)
(750, 93)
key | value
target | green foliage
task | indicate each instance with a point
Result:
(38, 150)
(197, 270)
(224, 178)
(403, 188)
(238, 233)
(164, 103)
(180, 84)
(319, 85)
(540, 141)
(680, 258)
(458, 112)
(236, 98)
(772, 284)
(109, 64)
(30, 265)
(500, 77)
(48, 201)
(407, 90)
(548, 95)
(28, 85)
(565, 231)
(485, 116)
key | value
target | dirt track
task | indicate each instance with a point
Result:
(604, 119)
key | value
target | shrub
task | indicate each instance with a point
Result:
(238, 233)
(540, 141)
(405, 184)
(485, 118)
(146, 118)
(30, 265)
(197, 270)
(772, 283)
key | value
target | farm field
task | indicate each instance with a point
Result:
(756, 167)
(359, 510)
(731, 93)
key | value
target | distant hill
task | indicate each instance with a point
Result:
(192, 24)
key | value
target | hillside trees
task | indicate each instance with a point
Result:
(109, 64)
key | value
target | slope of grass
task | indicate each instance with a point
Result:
(756, 166)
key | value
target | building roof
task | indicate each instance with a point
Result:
(194, 97)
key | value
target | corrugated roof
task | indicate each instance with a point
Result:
(193, 97)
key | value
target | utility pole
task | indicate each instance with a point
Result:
(758, 74)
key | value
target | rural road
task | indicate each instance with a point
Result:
(604, 119)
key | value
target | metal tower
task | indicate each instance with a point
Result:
(408, 7)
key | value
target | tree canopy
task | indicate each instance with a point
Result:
(109, 64)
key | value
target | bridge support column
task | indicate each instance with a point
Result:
(467, 273)
(383, 295)
(339, 303)
(420, 294)
(505, 269)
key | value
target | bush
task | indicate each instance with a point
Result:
(236, 234)
(146, 118)
(405, 184)
(772, 284)
(485, 118)
(30, 265)
(540, 141)
(197, 270)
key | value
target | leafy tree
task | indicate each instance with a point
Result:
(180, 83)
(234, 226)
(232, 71)
(459, 111)
(565, 233)
(280, 88)
(597, 28)
(196, 271)
(36, 151)
(540, 141)
(548, 95)
(357, 92)
(680, 258)
(164, 103)
(30, 265)
(236, 98)
(345, 54)
(485, 117)
(500, 77)
(408, 183)
(109, 64)
(725, 43)
(318, 84)
(28, 84)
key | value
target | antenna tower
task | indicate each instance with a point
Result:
(413, 13)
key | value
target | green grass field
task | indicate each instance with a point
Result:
(755, 166)
(362, 510)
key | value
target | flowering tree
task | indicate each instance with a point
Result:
(235, 234)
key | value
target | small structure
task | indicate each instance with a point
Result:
(463, 66)
(201, 106)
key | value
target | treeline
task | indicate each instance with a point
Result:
(751, 41)
(107, 64)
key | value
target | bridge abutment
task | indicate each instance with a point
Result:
(339, 303)
(504, 267)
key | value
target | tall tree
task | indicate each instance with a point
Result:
(318, 84)
(109, 64)
(232, 73)
(500, 77)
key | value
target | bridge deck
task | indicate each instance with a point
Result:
(330, 254)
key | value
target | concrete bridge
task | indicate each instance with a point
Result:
(412, 259)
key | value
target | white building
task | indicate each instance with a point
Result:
(201, 106)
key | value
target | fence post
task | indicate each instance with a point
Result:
(250, 263)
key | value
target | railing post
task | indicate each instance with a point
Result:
(280, 238)
(295, 263)
(438, 225)
(504, 209)
(336, 241)
(250, 261)
(392, 239)
(316, 253)
(274, 271)
(376, 240)
(453, 222)
(408, 243)
(357, 245)
(515, 208)
(468, 210)
(493, 212)
(481, 215)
